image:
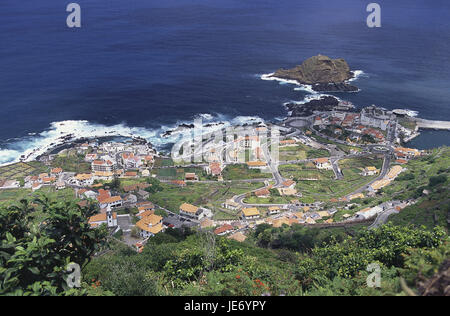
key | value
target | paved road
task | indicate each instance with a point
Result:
(382, 218)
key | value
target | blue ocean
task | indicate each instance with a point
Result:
(145, 66)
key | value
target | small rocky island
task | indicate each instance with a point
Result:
(322, 73)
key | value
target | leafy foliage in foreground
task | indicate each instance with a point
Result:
(34, 256)
(184, 263)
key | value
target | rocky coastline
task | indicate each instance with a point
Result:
(322, 73)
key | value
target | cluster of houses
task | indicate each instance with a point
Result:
(403, 155)
(372, 121)
(45, 179)
(112, 159)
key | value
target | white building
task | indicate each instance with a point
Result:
(191, 211)
(369, 212)
(149, 226)
(109, 218)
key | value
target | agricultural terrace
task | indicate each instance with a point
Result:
(209, 195)
(301, 152)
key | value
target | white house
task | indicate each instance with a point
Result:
(191, 211)
(109, 218)
(369, 212)
(111, 202)
(323, 163)
(149, 226)
(250, 213)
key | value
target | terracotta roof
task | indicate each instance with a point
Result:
(321, 160)
(153, 229)
(100, 217)
(83, 176)
(56, 170)
(154, 221)
(111, 199)
(145, 213)
(223, 229)
(215, 168)
(188, 208)
(288, 183)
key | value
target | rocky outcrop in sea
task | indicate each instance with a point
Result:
(322, 73)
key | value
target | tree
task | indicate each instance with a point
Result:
(34, 255)
(155, 185)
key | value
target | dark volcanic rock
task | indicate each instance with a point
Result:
(324, 73)
(334, 87)
(326, 103)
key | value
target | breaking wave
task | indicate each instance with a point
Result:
(34, 145)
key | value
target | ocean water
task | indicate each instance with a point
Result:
(144, 66)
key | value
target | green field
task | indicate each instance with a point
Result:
(210, 195)
(242, 172)
(71, 161)
(301, 152)
(321, 185)
(21, 170)
(179, 173)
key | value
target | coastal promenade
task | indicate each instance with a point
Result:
(421, 123)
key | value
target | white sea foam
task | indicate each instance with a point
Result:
(407, 112)
(302, 87)
(357, 74)
(311, 97)
(305, 87)
(32, 146)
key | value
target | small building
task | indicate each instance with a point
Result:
(190, 176)
(370, 171)
(223, 230)
(109, 218)
(56, 172)
(83, 179)
(103, 166)
(289, 184)
(60, 185)
(262, 193)
(214, 169)
(250, 213)
(231, 205)
(130, 174)
(323, 163)
(150, 226)
(369, 212)
(111, 202)
(273, 210)
(190, 211)
(143, 194)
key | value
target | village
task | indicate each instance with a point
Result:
(136, 189)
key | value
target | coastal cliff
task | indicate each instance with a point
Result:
(322, 72)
